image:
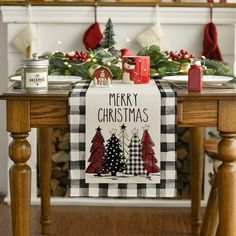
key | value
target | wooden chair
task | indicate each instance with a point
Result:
(211, 216)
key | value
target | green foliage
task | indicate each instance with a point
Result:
(154, 53)
(216, 68)
(61, 64)
(161, 64)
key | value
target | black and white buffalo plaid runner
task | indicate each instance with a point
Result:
(77, 124)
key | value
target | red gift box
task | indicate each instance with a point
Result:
(136, 69)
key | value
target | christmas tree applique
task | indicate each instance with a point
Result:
(97, 151)
(135, 164)
(148, 154)
(124, 139)
(114, 160)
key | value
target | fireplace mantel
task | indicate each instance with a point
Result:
(133, 15)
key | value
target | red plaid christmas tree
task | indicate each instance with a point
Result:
(97, 151)
(148, 154)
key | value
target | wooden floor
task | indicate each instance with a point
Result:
(107, 221)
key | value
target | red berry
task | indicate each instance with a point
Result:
(182, 51)
(178, 57)
(191, 56)
(186, 56)
(74, 59)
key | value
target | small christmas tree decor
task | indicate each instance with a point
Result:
(148, 154)
(124, 139)
(108, 41)
(135, 164)
(97, 151)
(114, 160)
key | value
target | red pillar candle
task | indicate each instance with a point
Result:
(136, 69)
(195, 77)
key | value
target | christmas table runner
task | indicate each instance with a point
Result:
(118, 120)
(129, 146)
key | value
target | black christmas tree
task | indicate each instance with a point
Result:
(135, 165)
(114, 160)
(108, 41)
(97, 151)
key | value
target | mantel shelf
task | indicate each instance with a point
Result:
(116, 4)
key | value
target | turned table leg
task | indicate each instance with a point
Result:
(211, 215)
(45, 137)
(196, 152)
(227, 184)
(20, 173)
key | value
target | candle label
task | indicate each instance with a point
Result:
(36, 80)
(136, 69)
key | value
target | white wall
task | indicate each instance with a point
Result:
(182, 27)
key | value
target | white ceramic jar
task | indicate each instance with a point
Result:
(34, 74)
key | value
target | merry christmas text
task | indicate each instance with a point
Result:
(123, 99)
(123, 107)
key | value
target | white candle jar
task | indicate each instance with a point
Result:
(34, 74)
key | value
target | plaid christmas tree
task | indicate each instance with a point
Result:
(148, 153)
(135, 165)
(97, 150)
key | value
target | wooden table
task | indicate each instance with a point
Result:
(212, 108)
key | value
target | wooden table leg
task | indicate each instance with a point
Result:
(211, 215)
(45, 138)
(196, 152)
(227, 184)
(18, 123)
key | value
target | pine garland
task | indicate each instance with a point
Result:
(68, 64)
(162, 64)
